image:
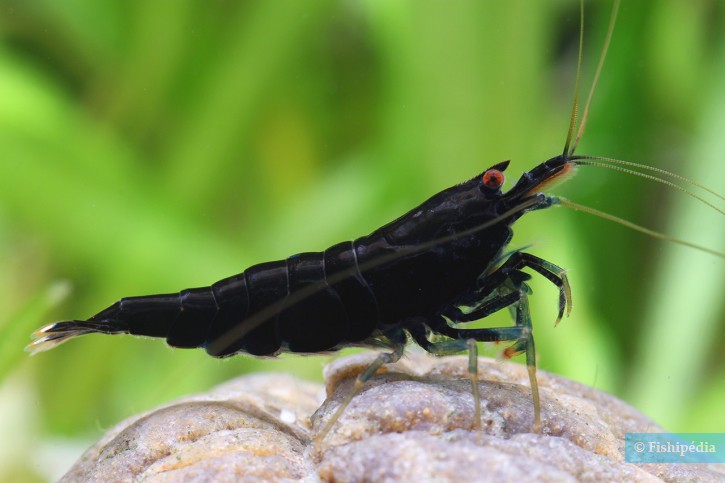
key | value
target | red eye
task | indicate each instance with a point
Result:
(493, 179)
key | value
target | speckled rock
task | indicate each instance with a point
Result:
(412, 422)
(252, 428)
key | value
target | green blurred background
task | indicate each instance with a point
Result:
(150, 146)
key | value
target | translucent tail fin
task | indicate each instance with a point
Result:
(56, 333)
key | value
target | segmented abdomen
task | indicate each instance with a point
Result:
(310, 302)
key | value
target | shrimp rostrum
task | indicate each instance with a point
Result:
(420, 278)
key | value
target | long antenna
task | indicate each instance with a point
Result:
(610, 30)
(575, 104)
(649, 168)
(634, 226)
(651, 178)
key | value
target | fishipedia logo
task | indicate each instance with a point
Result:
(674, 448)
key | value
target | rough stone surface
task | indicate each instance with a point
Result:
(411, 422)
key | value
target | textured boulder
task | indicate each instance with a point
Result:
(412, 422)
